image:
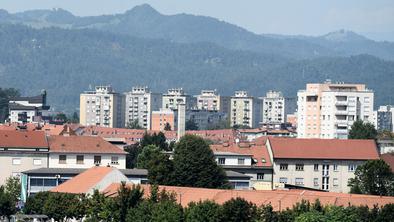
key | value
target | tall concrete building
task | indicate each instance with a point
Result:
(139, 104)
(384, 118)
(177, 96)
(102, 107)
(210, 100)
(273, 107)
(245, 110)
(181, 120)
(29, 109)
(163, 118)
(328, 110)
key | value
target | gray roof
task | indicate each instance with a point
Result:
(231, 154)
(76, 171)
(32, 99)
(231, 173)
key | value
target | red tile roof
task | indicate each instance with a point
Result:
(82, 144)
(279, 199)
(23, 139)
(293, 148)
(257, 149)
(389, 159)
(83, 182)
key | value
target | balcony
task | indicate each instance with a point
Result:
(341, 103)
(341, 112)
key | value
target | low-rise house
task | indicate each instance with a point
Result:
(325, 164)
(251, 159)
(84, 152)
(28, 109)
(20, 151)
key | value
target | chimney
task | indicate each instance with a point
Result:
(181, 120)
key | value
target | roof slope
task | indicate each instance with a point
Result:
(23, 139)
(84, 181)
(293, 148)
(82, 144)
(389, 159)
(279, 199)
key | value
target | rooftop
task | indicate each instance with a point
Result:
(294, 148)
(82, 144)
(23, 139)
(389, 159)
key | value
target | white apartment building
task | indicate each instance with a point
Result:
(139, 104)
(273, 107)
(177, 96)
(328, 110)
(28, 109)
(102, 107)
(325, 164)
(210, 100)
(245, 110)
(84, 152)
(384, 118)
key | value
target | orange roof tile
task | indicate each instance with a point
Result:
(84, 181)
(257, 150)
(294, 148)
(23, 139)
(389, 159)
(82, 144)
(279, 199)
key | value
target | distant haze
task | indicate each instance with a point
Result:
(374, 19)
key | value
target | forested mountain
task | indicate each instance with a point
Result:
(144, 21)
(66, 62)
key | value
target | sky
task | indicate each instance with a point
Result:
(372, 18)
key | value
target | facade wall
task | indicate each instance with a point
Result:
(160, 118)
(88, 160)
(204, 118)
(329, 110)
(273, 108)
(177, 96)
(245, 110)
(12, 164)
(233, 160)
(341, 174)
(14, 115)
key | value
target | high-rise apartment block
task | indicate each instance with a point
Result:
(273, 107)
(102, 107)
(328, 110)
(384, 118)
(139, 104)
(210, 100)
(177, 96)
(164, 119)
(245, 110)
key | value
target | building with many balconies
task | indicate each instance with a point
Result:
(176, 96)
(245, 110)
(210, 100)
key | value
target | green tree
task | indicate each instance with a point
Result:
(237, 126)
(239, 210)
(191, 125)
(5, 95)
(373, 177)
(195, 165)
(133, 125)
(127, 198)
(7, 204)
(35, 203)
(386, 213)
(98, 207)
(206, 211)
(266, 213)
(61, 117)
(158, 140)
(13, 187)
(311, 216)
(361, 130)
(167, 210)
(64, 206)
(342, 214)
(141, 213)
(160, 168)
(132, 154)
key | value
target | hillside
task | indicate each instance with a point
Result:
(145, 22)
(66, 62)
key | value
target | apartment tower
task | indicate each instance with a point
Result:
(210, 100)
(102, 107)
(245, 110)
(273, 107)
(328, 110)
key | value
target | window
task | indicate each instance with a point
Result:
(62, 159)
(299, 181)
(241, 161)
(316, 167)
(335, 167)
(260, 176)
(222, 161)
(352, 167)
(80, 159)
(97, 160)
(335, 182)
(16, 161)
(37, 162)
(283, 180)
(299, 167)
(316, 182)
(114, 160)
(284, 166)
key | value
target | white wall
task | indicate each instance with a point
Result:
(233, 160)
(88, 162)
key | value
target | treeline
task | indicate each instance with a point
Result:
(131, 205)
(5, 95)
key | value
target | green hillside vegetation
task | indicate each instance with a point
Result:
(66, 62)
